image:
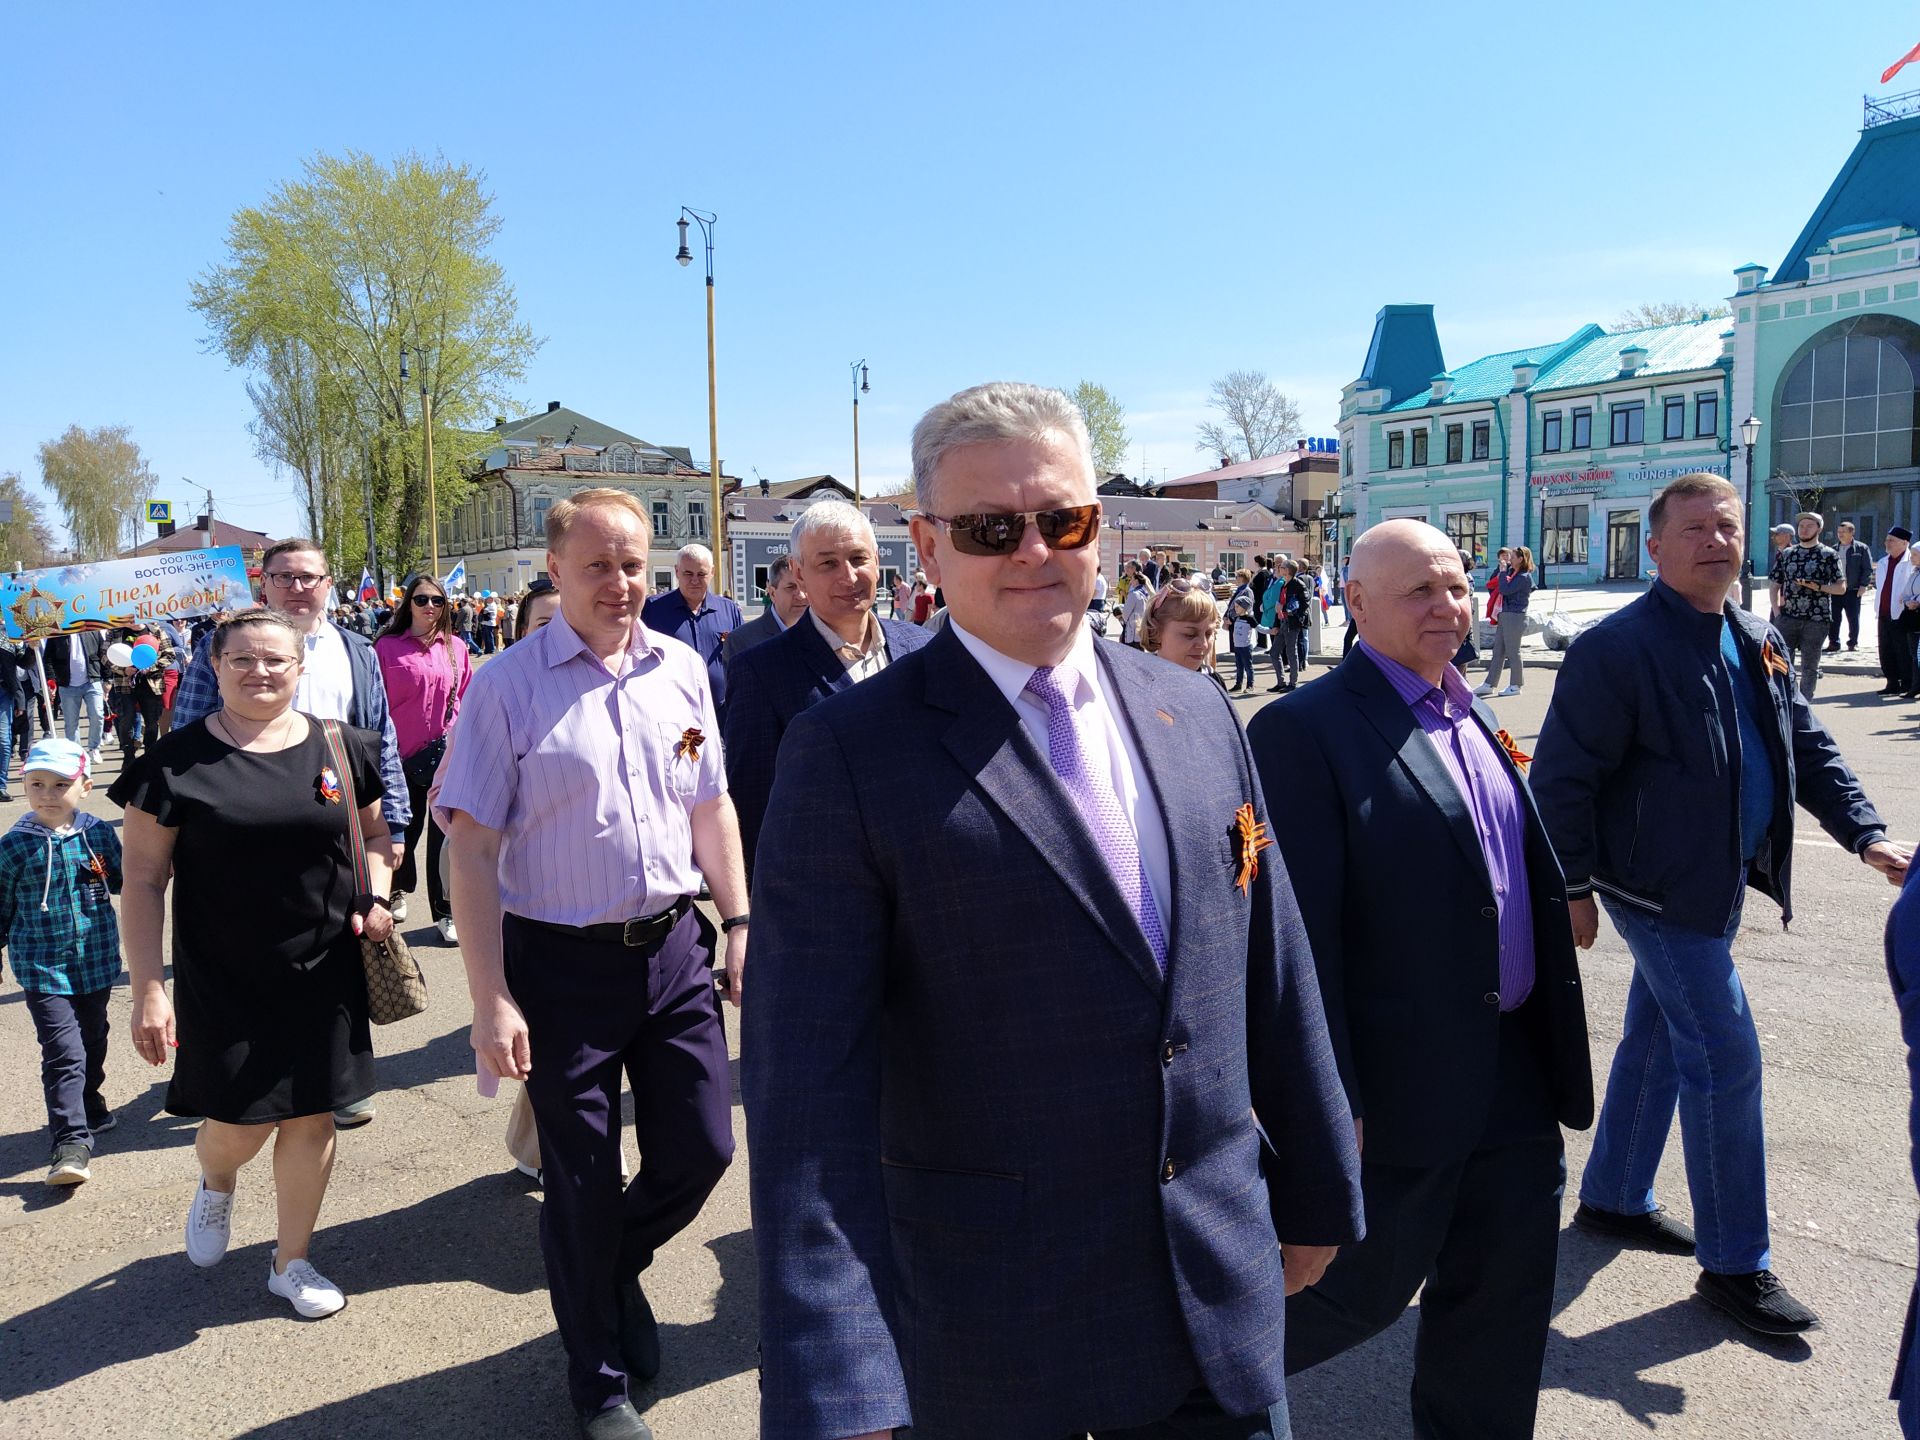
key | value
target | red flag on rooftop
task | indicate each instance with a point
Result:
(1895, 68)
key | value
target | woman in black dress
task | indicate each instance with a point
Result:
(248, 815)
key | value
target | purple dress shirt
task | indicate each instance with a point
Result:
(585, 775)
(1486, 780)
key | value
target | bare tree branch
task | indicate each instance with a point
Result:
(1257, 419)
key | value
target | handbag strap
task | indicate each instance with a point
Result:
(356, 842)
(453, 681)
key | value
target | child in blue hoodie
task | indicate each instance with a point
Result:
(58, 870)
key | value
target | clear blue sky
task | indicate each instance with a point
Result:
(1144, 195)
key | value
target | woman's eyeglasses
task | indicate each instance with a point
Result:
(1072, 528)
(421, 602)
(246, 664)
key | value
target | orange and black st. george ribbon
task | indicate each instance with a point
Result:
(1253, 838)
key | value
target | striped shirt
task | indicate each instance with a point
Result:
(1487, 782)
(590, 778)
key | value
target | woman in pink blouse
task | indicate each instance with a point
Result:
(426, 671)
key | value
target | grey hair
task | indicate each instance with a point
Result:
(694, 552)
(987, 414)
(776, 572)
(830, 517)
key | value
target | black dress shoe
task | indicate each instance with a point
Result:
(1655, 1230)
(1758, 1301)
(622, 1422)
(639, 1332)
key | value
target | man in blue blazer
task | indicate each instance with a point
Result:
(837, 642)
(1440, 931)
(786, 603)
(1026, 993)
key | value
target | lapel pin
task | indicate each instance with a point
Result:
(329, 785)
(1775, 662)
(688, 746)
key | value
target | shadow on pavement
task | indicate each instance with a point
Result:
(142, 1127)
(1365, 1390)
(480, 1232)
(522, 1391)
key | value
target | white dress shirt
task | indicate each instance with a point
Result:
(325, 690)
(1104, 735)
(873, 656)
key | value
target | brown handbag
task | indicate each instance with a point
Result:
(396, 989)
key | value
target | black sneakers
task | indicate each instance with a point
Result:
(1758, 1301)
(1656, 1230)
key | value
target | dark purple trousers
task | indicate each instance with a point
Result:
(595, 1009)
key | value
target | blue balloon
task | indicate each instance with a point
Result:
(144, 655)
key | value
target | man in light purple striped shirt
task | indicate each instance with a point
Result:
(585, 798)
(1438, 919)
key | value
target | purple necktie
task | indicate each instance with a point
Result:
(1093, 794)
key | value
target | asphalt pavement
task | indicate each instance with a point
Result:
(107, 1330)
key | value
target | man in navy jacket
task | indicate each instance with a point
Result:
(835, 642)
(1023, 981)
(1672, 758)
(1438, 920)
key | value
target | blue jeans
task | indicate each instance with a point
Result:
(1689, 1039)
(72, 698)
(1242, 666)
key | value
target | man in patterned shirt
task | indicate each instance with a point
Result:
(1806, 577)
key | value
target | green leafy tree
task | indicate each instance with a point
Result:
(100, 482)
(1666, 312)
(321, 287)
(1256, 419)
(1107, 425)
(27, 540)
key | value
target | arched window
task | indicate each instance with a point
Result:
(1847, 404)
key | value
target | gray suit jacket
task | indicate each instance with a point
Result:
(756, 631)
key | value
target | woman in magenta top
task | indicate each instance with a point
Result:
(426, 671)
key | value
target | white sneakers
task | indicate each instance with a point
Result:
(311, 1293)
(209, 1225)
(447, 932)
(1511, 690)
(1483, 689)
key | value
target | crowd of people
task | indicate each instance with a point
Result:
(1084, 1099)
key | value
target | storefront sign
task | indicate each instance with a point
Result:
(1557, 478)
(1649, 476)
(123, 594)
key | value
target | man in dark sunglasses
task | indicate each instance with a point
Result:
(1025, 978)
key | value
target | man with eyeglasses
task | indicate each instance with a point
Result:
(1026, 976)
(693, 614)
(340, 680)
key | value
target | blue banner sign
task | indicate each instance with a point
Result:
(123, 594)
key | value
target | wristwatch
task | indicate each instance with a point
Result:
(734, 922)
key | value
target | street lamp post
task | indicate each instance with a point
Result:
(858, 369)
(1749, 437)
(426, 448)
(706, 223)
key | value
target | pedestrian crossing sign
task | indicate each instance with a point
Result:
(159, 512)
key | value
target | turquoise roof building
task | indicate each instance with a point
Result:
(1827, 352)
(1562, 445)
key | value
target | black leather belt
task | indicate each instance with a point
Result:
(638, 934)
